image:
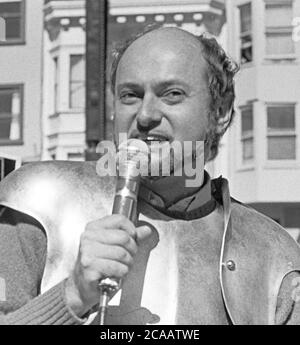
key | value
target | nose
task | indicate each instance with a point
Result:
(149, 115)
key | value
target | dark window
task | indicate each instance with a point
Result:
(281, 132)
(11, 105)
(13, 13)
(75, 156)
(246, 33)
(292, 217)
(247, 136)
(56, 76)
(7, 165)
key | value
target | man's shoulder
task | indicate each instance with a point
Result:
(262, 231)
(247, 215)
(51, 181)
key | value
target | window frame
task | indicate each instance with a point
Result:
(248, 135)
(76, 81)
(279, 30)
(20, 88)
(281, 133)
(243, 34)
(56, 85)
(22, 39)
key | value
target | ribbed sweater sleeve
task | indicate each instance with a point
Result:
(23, 247)
(46, 309)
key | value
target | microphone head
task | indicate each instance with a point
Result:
(133, 158)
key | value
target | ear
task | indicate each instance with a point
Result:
(224, 120)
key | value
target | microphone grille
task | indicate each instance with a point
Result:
(132, 155)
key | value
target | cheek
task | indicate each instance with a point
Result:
(193, 125)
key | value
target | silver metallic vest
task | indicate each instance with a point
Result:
(229, 264)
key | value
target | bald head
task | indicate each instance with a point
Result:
(163, 46)
(164, 54)
(167, 38)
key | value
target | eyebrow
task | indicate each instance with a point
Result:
(128, 85)
(160, 84)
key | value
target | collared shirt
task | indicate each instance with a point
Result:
(170, 196)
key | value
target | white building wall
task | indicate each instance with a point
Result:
(260, 82)
(22, 64)
(64, 128)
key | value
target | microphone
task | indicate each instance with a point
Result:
(125, 203)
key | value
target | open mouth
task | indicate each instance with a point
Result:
(153, 139)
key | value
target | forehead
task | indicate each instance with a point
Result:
(161, 55)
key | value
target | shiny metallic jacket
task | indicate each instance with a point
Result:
(188, 272)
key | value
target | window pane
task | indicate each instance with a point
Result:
(279, 44)
(77, 68)
(10, 111)
(75, 156)
(245, 17)
(10, 7)
(279, 16)
(248, 152)
(5, 128)
(247, 120)
(12, 12)
(282, 147)
(292, 217)
(5, 102)
(77, 95)
(77, 81)
(56, 79)
(281, 118)
(246, 55)
(13, 28)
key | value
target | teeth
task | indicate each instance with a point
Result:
(155, 139)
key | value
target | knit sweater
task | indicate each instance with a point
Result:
(22, 259)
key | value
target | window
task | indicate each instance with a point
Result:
(56, 76)
(281, 132)
(7, 165)
(245, 33)
(11, 100)
(247, 136)
(75, 156)
(13, 12)
(77, 81)
(292, 217)
(279, 29)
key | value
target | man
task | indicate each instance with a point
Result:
(193, 258)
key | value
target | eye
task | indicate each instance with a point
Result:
(128, 97)
(173, 96)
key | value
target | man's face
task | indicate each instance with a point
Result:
(161, 91)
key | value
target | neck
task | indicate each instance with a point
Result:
(172, 188)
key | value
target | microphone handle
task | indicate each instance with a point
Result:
(125, 203)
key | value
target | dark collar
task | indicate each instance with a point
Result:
(187, 203)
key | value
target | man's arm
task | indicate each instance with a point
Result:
(23, 246)
(107, 247)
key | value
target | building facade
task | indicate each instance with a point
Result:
(64, 80)
(21, 79)
(263, 145)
